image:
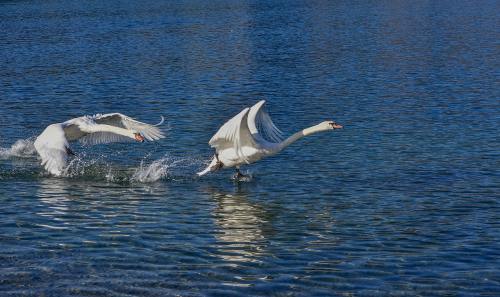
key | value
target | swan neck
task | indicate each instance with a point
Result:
(299, 135)
(291, 139)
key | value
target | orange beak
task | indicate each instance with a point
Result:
(336, 126)
(139, 137)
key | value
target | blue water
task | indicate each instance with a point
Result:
(404, 201)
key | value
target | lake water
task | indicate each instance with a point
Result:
(404, 201)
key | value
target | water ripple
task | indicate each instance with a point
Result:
(402, 202)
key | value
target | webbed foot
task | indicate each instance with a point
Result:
(240, 177)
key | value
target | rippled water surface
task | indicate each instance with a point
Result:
(404, 201)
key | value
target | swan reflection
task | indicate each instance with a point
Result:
(242, 227)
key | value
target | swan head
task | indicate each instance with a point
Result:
(323, 126)
(139, 137)
(334, 125)
(329, 125)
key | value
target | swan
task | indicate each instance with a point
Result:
(53, 144)
(250, 136)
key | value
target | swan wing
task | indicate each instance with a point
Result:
(52, 147)
(259, 122)
(150, 132)
(234, 134)
(95, 138)
(86, 130)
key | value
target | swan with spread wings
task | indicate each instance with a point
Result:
(53, 144)
(250, 136)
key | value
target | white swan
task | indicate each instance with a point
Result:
(250, 136)
(53, 144)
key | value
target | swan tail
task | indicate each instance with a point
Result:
(203, 172)
(213, 166)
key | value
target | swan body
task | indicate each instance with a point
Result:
(250, 136)
(53, 144)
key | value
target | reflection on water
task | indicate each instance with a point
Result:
(55, 193)
(83, 204)
(401, 202)
(241, 227)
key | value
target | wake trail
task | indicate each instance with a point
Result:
(22, 148)
(148, 171)
(165, 168)
(22, 161)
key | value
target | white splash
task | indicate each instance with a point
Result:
(110, 176)
(152, 172)
(165, 167)
(81, 166)
(99, 167)
(21, 148)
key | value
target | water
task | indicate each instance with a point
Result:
(403, 201)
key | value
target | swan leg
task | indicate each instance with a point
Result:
(218, 164)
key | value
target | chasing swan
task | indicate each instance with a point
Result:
(53, 144)
(250, 136)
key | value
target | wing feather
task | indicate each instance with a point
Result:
(234, 134)
(52, 146)
(103, 137)
(150, 132)
(261, 124)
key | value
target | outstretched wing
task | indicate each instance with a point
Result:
(260, 124)
(83, 129)
(95, 138)
(52, 147)
(150, 132)
(234, 134)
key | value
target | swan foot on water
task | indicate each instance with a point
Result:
(240, 177)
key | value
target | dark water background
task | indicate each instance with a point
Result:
(404, 201)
